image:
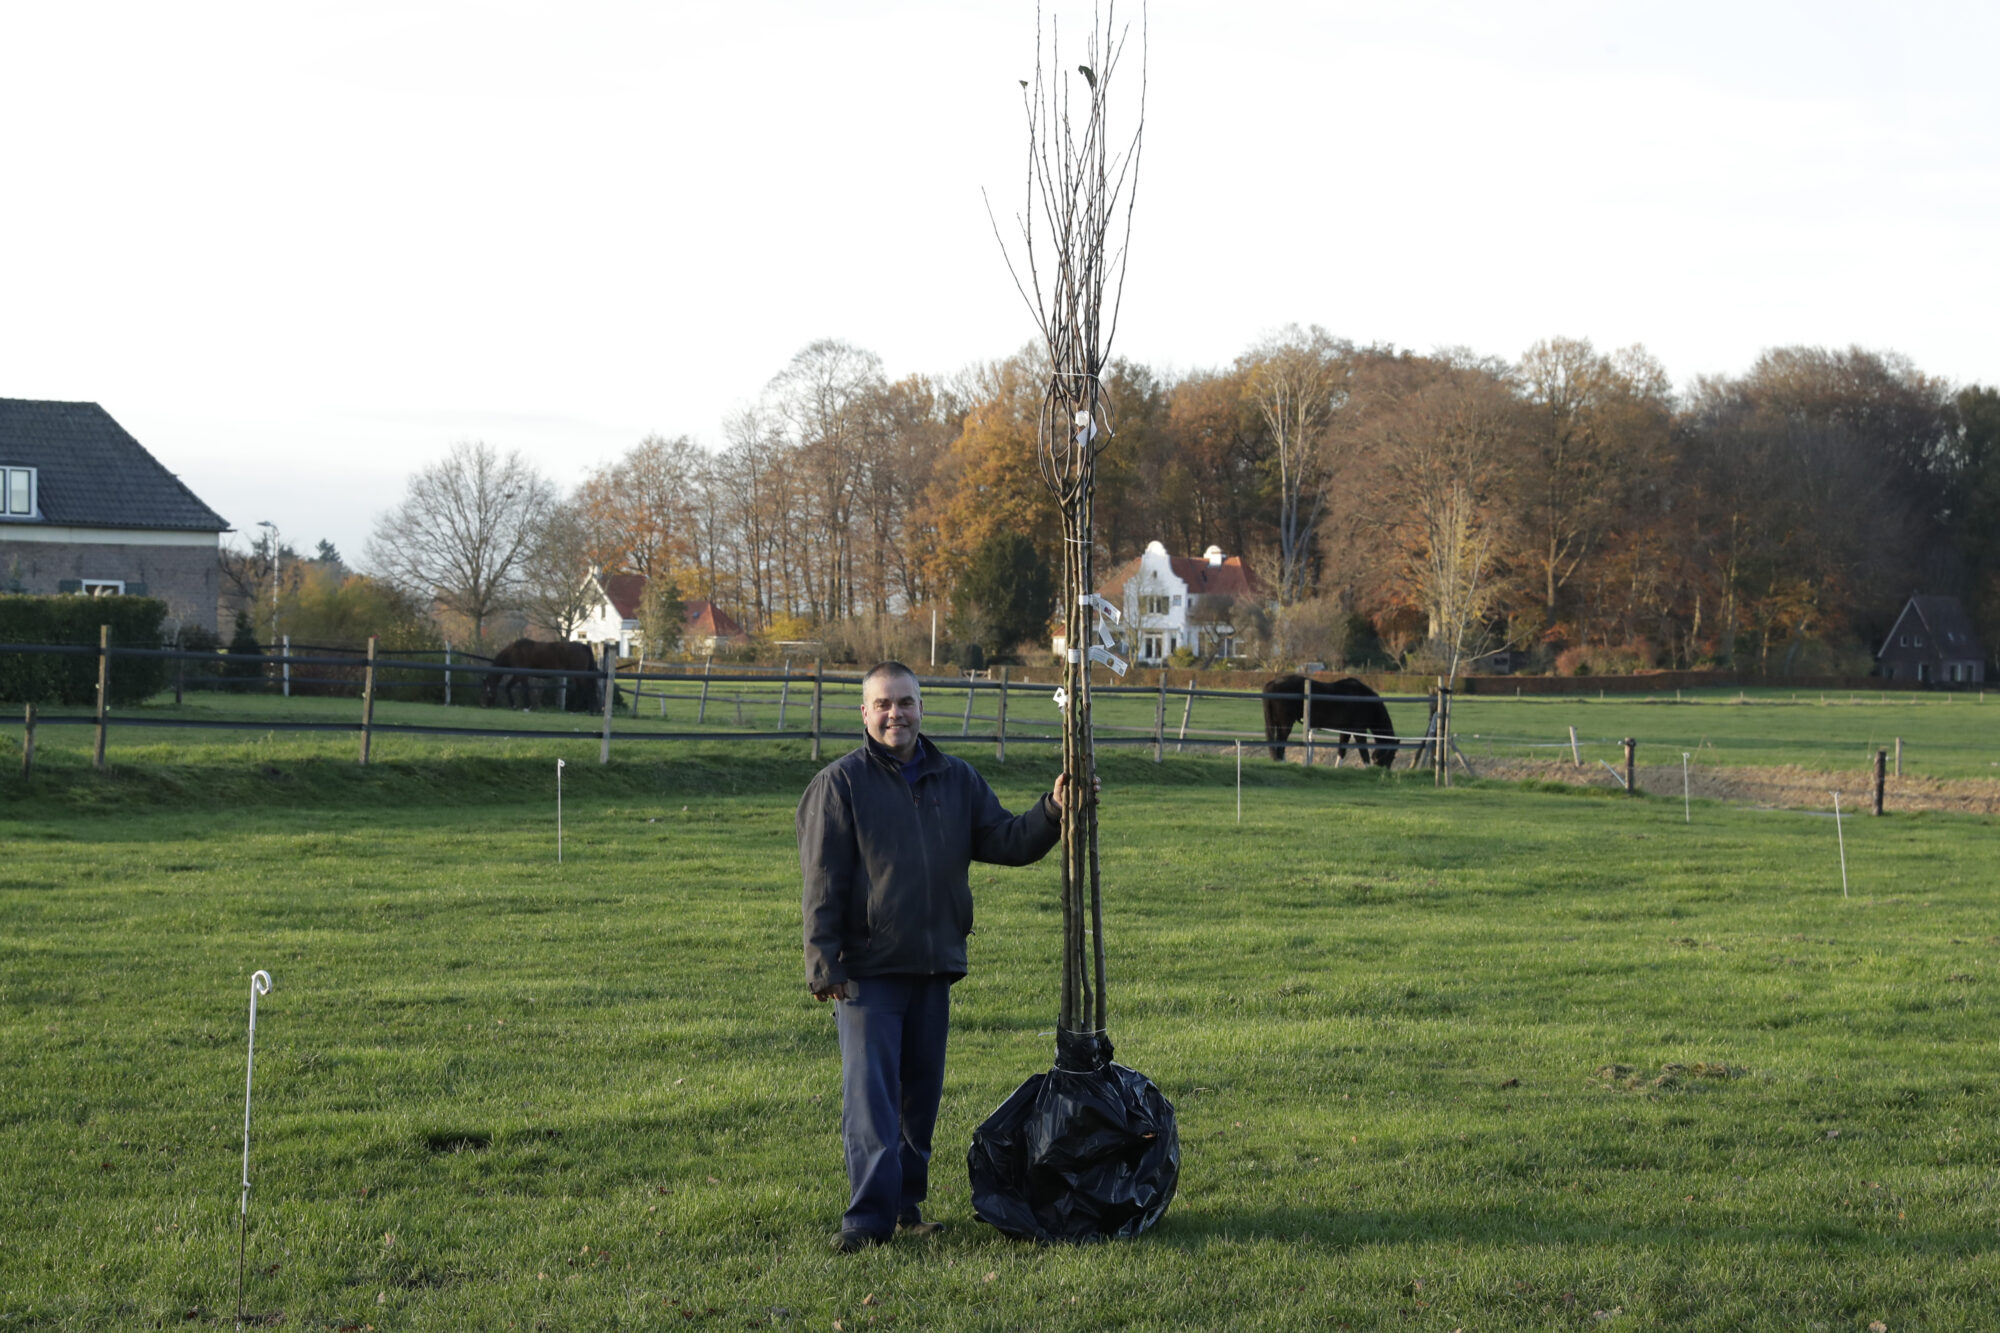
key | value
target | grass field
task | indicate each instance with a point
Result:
(1485, 1059)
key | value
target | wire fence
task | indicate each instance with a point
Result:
(301, 691)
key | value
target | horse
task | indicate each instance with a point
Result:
(541, 655)
(1346, 707)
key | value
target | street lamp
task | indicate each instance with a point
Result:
(276, 571)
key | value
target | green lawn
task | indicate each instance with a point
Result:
(1481, 1059)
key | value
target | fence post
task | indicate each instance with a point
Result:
(285, 666)
(701, 712)
(28, 743)
(1575, 755)
(1899, 756)
(1631, 776)
(103, 688)
(819, 680)
(1160, 719)
(368, 701)
(965, 723)
(1881, 763)
(1180, 742)
(610, 699)
(784, 693)
(1442, 754)
(180, 672)
(447, 673)
(638, 682)
(1000, 727)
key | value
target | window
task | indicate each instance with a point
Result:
(1920, 641)
(1152, 648)
(1154, 606)
(1903, 641)
(17, 492)
(1177, 599)
(103, 587)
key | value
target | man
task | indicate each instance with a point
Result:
(886, 837)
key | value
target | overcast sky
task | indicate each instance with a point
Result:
(299, 249)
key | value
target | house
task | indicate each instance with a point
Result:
(1932, 642)
(1173, 602)
(615, 601)
(85, 509)
(710, 629)
(613, 615)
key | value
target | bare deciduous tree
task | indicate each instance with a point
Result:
(461, 533)
(1298, 381)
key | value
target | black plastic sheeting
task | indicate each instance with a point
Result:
(1087, 1151)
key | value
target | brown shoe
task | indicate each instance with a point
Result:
(851, 1242)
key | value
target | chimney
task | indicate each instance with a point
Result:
(1213, 555)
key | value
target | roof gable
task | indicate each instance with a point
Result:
(91, 473)
(1942, 620)
(625, 592)
(706, 618)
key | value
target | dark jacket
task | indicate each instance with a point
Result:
(885, 862)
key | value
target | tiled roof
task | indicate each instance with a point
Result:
(1951, 632)
(626, 592)
(706, 618)
(91, 473)
(1232, 577)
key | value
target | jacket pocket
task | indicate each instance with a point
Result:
(961, 907)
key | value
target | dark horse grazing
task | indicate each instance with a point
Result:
(540, 655)
(1346, 707)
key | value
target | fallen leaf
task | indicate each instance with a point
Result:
(713, 1181)
(381, 1298)
(990, 1276)
(1878, 1327)
(869, 1299)
(1511, 1083)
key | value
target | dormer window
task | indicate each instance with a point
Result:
(17, 492)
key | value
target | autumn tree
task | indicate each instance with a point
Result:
(556, 591)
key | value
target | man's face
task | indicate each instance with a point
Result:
(892, 707)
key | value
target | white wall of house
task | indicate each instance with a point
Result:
(1162, 615)
(605, 625)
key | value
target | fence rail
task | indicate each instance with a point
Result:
(679, 683)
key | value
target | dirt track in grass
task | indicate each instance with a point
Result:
(1783, 787)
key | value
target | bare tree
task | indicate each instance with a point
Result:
(1075, 227)
(1298, 381)
(555, 573)
(460, 535)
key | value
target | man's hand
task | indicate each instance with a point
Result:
(1062, 785)
(837, 991)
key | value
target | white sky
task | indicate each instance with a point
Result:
(299, 249)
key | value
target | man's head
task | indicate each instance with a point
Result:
(892, 707)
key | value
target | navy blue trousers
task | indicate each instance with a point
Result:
(892, 1034)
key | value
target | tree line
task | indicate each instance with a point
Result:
(1570, 506)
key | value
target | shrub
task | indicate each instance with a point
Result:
(74, 619)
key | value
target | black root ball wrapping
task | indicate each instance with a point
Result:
(1077, 1154)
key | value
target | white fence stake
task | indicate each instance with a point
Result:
(1841, 833)
(447, 673)
(1239, 782)
(559, 769)
(260, 984)
(1687, 796)
(288, 665)
(1575, 755)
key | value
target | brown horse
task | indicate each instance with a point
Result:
(524, 691)
(1347, 707)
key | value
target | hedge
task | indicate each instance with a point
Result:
(51, 678)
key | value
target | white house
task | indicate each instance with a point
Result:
(615, 601)
(1174, 601)
(613, 617)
